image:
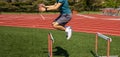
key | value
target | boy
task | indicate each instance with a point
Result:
(64, 17)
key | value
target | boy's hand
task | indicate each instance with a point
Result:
(42, 7)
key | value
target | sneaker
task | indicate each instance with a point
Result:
(69, 32)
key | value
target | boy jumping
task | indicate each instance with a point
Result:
(64, 17)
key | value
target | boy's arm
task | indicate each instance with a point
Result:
(53, 7)
(50, 5)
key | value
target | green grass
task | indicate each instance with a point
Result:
(32, 42)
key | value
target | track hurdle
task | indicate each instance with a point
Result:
(108, 43)
(50, 43)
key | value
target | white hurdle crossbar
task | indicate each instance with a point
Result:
(108, 43)
(104, 37)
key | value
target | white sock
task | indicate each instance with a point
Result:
(66, 29)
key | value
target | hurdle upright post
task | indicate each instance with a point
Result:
(49, 45)
(108, 47)
(96, 44)
(51, 48)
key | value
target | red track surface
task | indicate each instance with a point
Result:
(80, 23)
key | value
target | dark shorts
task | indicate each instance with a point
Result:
(63, 19)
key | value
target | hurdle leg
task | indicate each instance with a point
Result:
(49, 45)
(108, 47)
(50, 48)
(96, 45)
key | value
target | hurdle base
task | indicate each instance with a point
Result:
(110, 56)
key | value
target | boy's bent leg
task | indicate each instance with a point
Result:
(67, 29)
(57, 26)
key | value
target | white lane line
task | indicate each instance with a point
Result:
(85, 16)
(98, 17)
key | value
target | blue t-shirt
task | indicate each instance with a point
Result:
(64, 8)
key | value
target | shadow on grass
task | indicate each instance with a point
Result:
(94, 54)
(60, 52)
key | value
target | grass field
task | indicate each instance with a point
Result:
(32, 42)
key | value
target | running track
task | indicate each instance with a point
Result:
(90, 23)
